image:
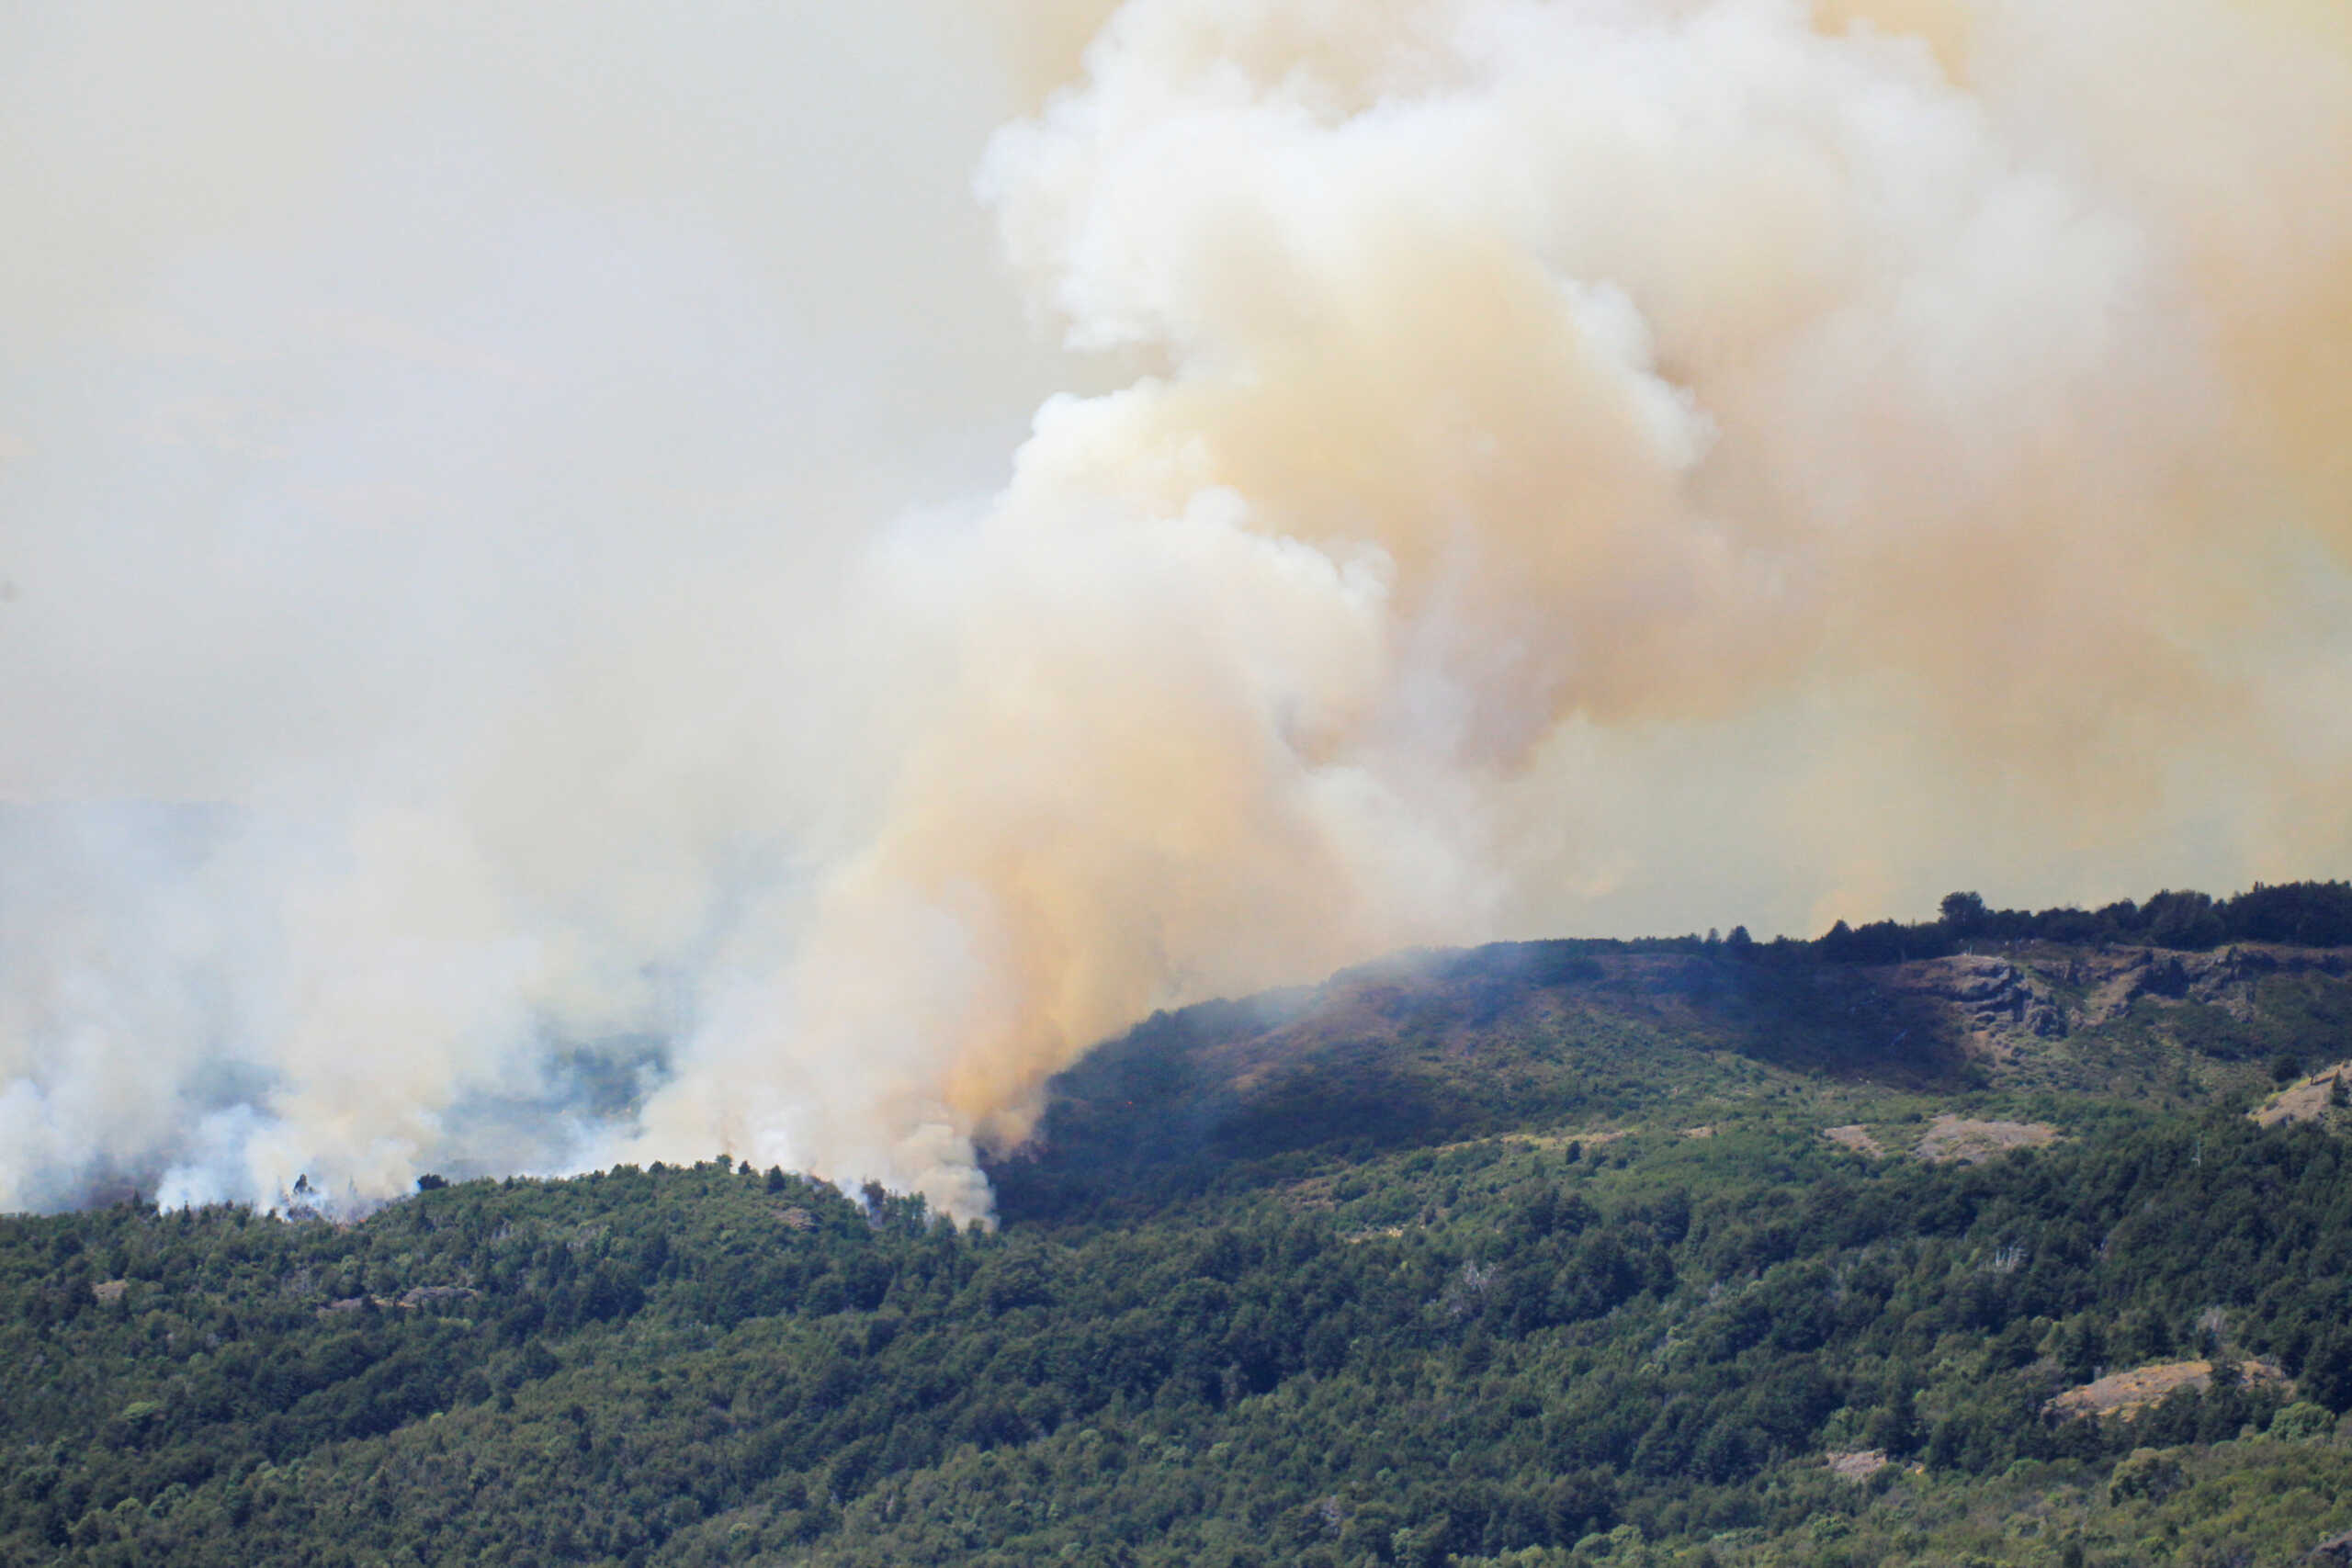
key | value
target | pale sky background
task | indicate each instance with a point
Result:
(564, 491)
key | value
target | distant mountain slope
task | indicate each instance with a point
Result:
(1442, 1046)
(1542, 1256)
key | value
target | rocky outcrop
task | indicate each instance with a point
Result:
(2010, 1005)
(1992, 997)
(2225, 979)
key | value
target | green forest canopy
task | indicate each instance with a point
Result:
(1579, 1331)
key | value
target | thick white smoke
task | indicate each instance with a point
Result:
(1567, 464)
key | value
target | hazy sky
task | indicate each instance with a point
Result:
(807, 561)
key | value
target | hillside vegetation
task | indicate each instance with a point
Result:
(1686, 1251)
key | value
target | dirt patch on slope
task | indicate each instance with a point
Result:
(1856, 1137)
(2308, 1099)
(1956, 1140)
(2125, 1394)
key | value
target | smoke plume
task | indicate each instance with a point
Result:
(519, 649)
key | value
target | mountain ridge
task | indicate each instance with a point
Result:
(1518, 1036)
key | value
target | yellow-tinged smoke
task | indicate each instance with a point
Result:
(1613, 364)
(1568, 464)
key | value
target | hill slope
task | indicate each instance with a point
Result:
(1559, 1036)
(1545, 1253)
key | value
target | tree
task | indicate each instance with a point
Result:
(1964, 912)
(2328, 1373)
(2183, 920)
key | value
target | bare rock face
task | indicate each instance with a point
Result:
(1996, 996)
(2334, 1552)
(2223, 979)
(2009, 1005)
(2000, 1003)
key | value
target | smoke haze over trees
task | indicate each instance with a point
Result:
(1534, 1256)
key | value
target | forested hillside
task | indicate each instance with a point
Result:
(1538, 1255)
